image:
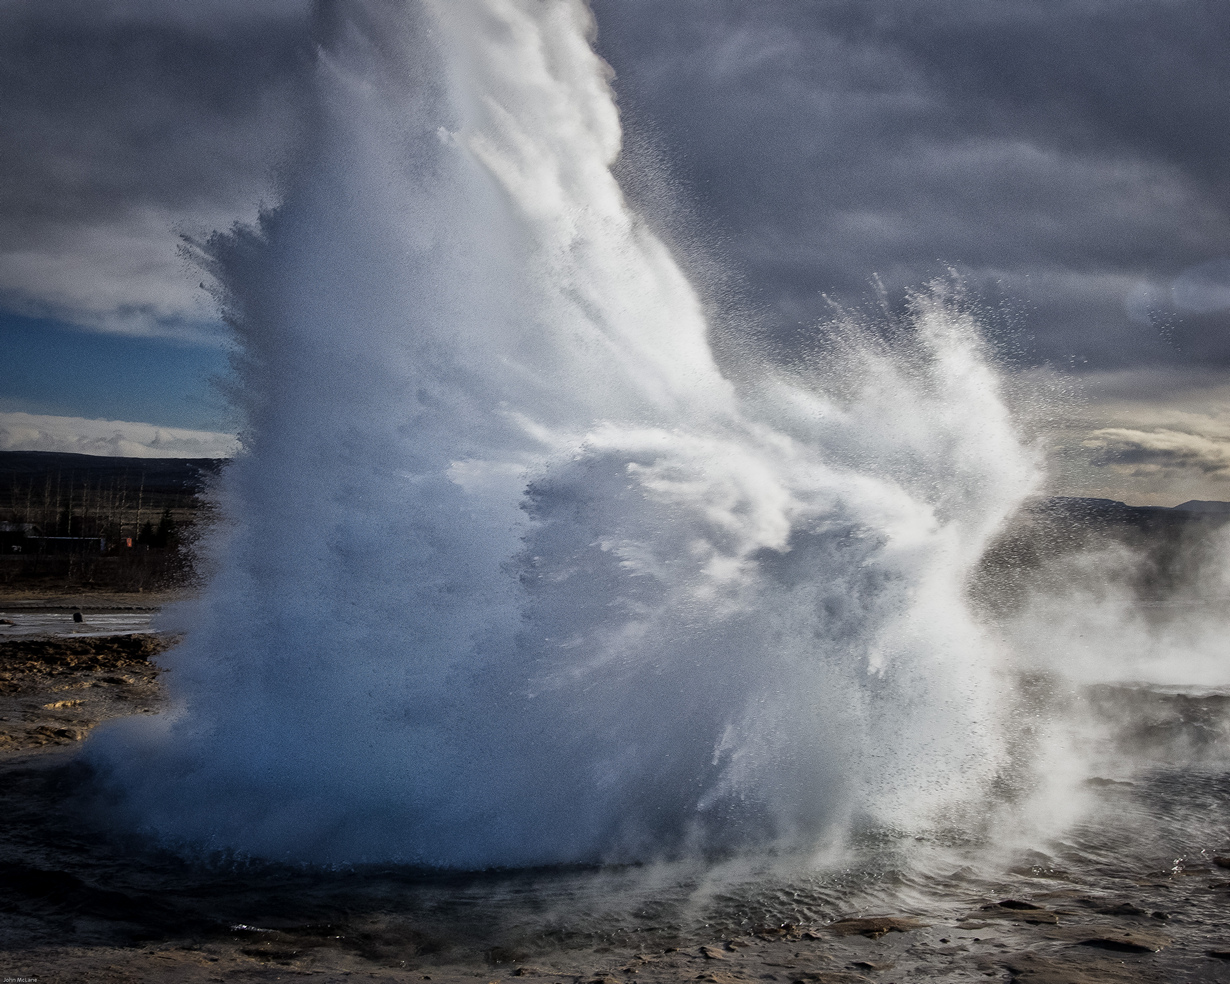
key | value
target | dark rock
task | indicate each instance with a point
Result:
(49, 734)
(1204, 506)
(1127, 943)
(873, 927)
(769, 932)
(1114, 938)
(1024, 912)
(269, 954)
(506, 954)
(1123, 909)
(1029, 968)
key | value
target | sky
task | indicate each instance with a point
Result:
(1065, 159)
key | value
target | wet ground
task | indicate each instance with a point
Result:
(1138, 890)
(64, 617)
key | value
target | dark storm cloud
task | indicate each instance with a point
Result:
(119, 125)
(1131, 77)
(100, 117)
(1067, 157)
(1058, 154)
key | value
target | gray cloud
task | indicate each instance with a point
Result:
(1066, 156)
(122, 125)
(1203, 288)
(1136, 452)
(1049, 150)
(40, 432)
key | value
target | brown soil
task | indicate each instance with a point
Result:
(53, 597)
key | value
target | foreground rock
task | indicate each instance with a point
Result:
(873, 927)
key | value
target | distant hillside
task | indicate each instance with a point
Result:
(168, 476)
(1089, 511)
(1169, 548)
(80, 521)
(1204, 506)
(35, 486)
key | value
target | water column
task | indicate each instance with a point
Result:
(510, 574)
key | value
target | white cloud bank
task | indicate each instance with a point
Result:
(1149, 437)
(126, 275)
(1146, 452)
(123, 438)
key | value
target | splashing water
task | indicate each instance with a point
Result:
(512, 573)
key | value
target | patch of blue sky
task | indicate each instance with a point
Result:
(53, 367)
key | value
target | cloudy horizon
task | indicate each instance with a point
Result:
(1066, 159)
(116, 438)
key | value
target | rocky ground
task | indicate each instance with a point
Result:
(65, 925)
(53, 690)
(1072, 941)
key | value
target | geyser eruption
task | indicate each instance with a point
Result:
(511, 573)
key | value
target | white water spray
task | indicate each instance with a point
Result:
(512, 574)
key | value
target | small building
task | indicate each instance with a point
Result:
(17, 537)
(67, 544)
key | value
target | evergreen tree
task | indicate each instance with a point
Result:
(165, 535)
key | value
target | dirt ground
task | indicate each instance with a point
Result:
(1067, 944)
